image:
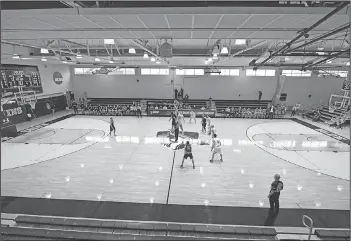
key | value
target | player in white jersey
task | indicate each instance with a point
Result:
(208, 125)
(181, 120)
(192, 116)
(216, 147)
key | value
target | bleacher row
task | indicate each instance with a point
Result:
(25, 227)
(220, 104)
(193, 104)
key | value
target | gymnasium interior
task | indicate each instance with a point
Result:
(101, 101)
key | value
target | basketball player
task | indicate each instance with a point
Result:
(216, 147)
(203, 123)
(192, 116)
(208, 125)
(188, 154)
(174, 120)
(112, 127)
(213, 130)
(180, 120)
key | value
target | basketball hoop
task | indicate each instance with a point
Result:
(338, 102)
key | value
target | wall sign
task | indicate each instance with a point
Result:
(58, 79)
(27, 77)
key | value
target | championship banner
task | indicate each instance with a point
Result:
(346, 85)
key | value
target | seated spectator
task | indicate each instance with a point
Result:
(203, 108)
(165, 107)
(256, 113)
(156, 107)
(186, 98)
(316, 115)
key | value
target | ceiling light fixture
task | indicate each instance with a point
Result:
(224, 50)
(109, 41)
(145, 56)
(44, 51)
(132, 50)
(97, 60)
(240, 41)
(153, 59)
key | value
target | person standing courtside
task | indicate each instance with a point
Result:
(112, 127)
(188, 154)
(274, 193)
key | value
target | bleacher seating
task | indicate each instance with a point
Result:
(27, 227)
(198, 103)
(326, 115)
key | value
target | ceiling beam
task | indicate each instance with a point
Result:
(331, 57)
(321, 37)
(303, 32)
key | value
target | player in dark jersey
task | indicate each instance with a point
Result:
(174, 120)
(112, 127)
(203, 122)
(188, 154)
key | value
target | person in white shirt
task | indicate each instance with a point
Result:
(216, 147)
(192, 116)
(203, 108)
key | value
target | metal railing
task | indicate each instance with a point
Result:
(304, 217)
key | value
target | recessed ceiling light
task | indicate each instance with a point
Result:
(97, 59)
(132, 50)
(109, 41)
(224, 50)
(44, 51)
(153, 59)
(145, 56)
(240, 41)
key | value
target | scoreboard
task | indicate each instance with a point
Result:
(20, 75)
